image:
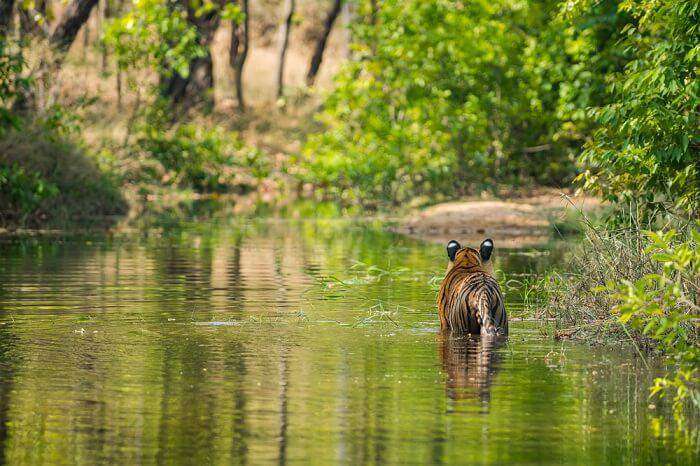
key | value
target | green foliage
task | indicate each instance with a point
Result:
(22, 191)
(647, 147)
(450, 97)
(453, 97)
(12, 83)
(665, 306)
(201, 158)
(570, 61)
(632, 285)
(195, 157)
(232, 12)
(46, 177)
(154, 34)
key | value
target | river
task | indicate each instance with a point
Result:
(278, 340)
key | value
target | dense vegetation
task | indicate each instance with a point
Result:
(158, 136)
(445, 98)
(439, 99)
(453, 97)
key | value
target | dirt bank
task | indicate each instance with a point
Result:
(516, 222)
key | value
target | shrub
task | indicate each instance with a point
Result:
(449, 98)
(203, 159)
(46, 178)
(665, 306)
(22, 192)
(628, 284)
(12, 83)
(153, 34)
(647, 146)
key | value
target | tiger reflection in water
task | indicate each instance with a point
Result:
(469, 364)
(473, 321)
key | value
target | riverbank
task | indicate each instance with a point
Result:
(58, 177)
(524, 220)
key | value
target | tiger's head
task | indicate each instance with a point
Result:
(465, 257)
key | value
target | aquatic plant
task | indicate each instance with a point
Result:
(665, 306)
(636, 286)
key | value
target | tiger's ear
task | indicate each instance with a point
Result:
(452, 248)
(486, 249)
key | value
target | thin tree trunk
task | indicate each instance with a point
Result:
(240, 37)
(194, 88)
(119, 88)
(317, 57)
(86, 39)
(285, 30)
(29, 22)
(106, 12)
(25, 21)
(6, 16)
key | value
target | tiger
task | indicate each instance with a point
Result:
(470, 300)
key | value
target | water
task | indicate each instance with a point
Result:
(276, 341)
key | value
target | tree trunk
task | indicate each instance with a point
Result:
(26, 22)
(74, 16)
(86, 39)
(119, 88)
(106, 14)
(6, 16)
(317, 57)
(195, 88)
(285, 30)
(240, 37)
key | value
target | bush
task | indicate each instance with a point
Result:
(12, 83)
(22, 193)
(46, 178)
(628, 284)
(452, 98)
(665, 306)
(206, 160)
(647, 147)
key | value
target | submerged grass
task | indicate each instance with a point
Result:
(642, 287)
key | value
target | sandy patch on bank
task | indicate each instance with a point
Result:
(517, 222)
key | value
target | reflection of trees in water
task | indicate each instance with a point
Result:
(236, 375)
(284, 416)
(183, 272)
(282, 303)
(470, 365)
(8, 366)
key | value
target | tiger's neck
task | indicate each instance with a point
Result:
(468, 269)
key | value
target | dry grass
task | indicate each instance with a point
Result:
(575, 297)
(84, 74)
(87, 86)
(277, 128)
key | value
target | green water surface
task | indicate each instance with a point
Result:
(294, 341)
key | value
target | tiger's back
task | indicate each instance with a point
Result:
(470, 300)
